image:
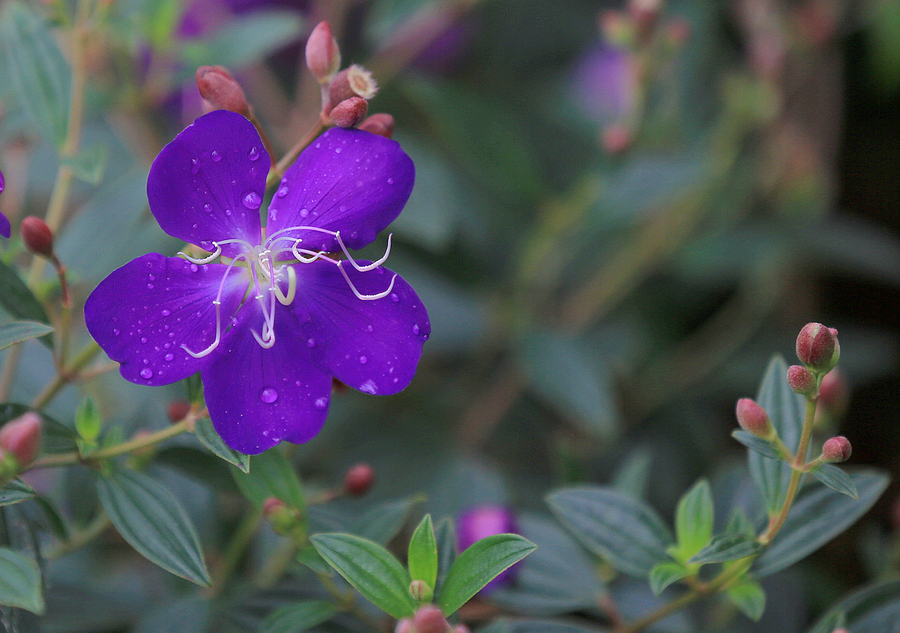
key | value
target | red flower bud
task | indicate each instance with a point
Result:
(381, 124)
(354, 81)
(430, 619)
(177, 410)
(22, 437)
(221, 91)
(753, 418)
(801, 380)
(818, 348)
(37, 236)
(359, 479)
(323, 57)
(273, 506)
(837, 449)
(349, 112)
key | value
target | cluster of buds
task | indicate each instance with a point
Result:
(20, 440)
(429, 619)
(286, 521)
(345, 93)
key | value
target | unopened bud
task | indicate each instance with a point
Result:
(404, 626)
(460, 628)
(359, 479)
(837, 449)
(753, 418)
(616, 138)
(354, 81)
(323, 57)
(37, 236)
(420, 591)
(381, 124)
(818, 348)
(430, 619)
(220, 91)
(272, 506)
(22, 437)
(349, 112)
(801, 380)
(177, 410)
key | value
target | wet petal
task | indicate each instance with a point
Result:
(207, 184)
(4, 223)
(146, 310)
(350, 181)
(371, 345)
(259, 397)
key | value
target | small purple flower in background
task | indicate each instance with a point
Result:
(605, 84)
(5, 229)
(272, 322)
(481, 522)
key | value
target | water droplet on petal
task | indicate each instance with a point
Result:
(254, 153)
(207, 207)
(363, 360)
(337, 150)
(195, 165)
(151, 277)
(395, 297)
(166, 312)
(251, 200)
(194, 268)
(416, 330)
(146, 373)
(149, 286)
(282, 191)
(311, 342)
(369, 388)
(268, 395)
(390, 181)
(116, 332)
(304, 213)
(321, 403)
(227, 211)
(369, 328)
(216, 157)
(169, 356)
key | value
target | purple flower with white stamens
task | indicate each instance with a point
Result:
(278, 314)
(5, 229)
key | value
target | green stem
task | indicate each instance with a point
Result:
(235, 550)
(65, 375)
(77, 540)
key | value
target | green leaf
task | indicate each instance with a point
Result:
(740, 524)
(38, 70)
(749, 597)
(271, 475)
(87, 420)
(625, 531)
(665, 574)
(694, 519)
(18, 331)
(423, 553)
(482, 561)
(19, 301)
(207, 435)
(633, 475)
(836, 479)
(310, 557)
(383, 522)
(786, 411)
(873, 609)
(445, 536)
(370, 568)
(16, 491)
(296, 618)
(152, 521)
(20, 581)
(755, 443)
(819, 515)
(727, 547)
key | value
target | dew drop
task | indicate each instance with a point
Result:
(146, 361)
(166, 312)
(149, 286)
(304, 213)
(194, 226)
(395, 297)
(216, 157)
(321, 403)
(390, 181)
(416, 330)
(311, 342)
(227, 211)
(207, 207)
(251, 200)
(143, 339)
(116, 332)
(363, 360)
(396, 380)
(194, 268)
(337, 150)
(254, 153)
(169, 356)
(151, 277)
(282, 191)
(195, 165)
(146, 373)
(369, 388)
(268, 395)
(369, 328)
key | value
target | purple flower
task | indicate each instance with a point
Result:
(279, 315)
(481, 522)
(5, 229)
(605, 84)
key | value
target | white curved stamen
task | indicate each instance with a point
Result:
(352, 261)
(287, 299)
(358, 294)
(216, 302)
(203, 260)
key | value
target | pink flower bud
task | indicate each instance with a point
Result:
(177, 410)
(818, 348)
(354, 81)
(801, 380)
(37, 236)
(404, 626)
(430, 619)
(837, 449)
(349, 112)
(22, 437)
(323, 57)
(753, 418)
(221, 91)
(460, 628)
(273, 506)
(359, 480)
(381, 124)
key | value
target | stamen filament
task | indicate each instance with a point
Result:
(352, 261)
(358, 294)
(216, 302)
(203, 260)
(292, 287)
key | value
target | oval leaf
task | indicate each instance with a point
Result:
(207, 435)
(18, 331)
(15, 492)
(757, 444)
(19, 301)
(370, 568)
(664, 575)
(836, 479)
(727, 547)
(423, 553)
(816, 518)
(296, 618)
(625, 531)
(694, 519)
(874, 609)
(153, 522)
(483, 561)
(20, 581)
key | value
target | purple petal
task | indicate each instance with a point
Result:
(259, 397)
(349, 181)
(5, 229)
(370, 345)
(146, 310)
(207, 184)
